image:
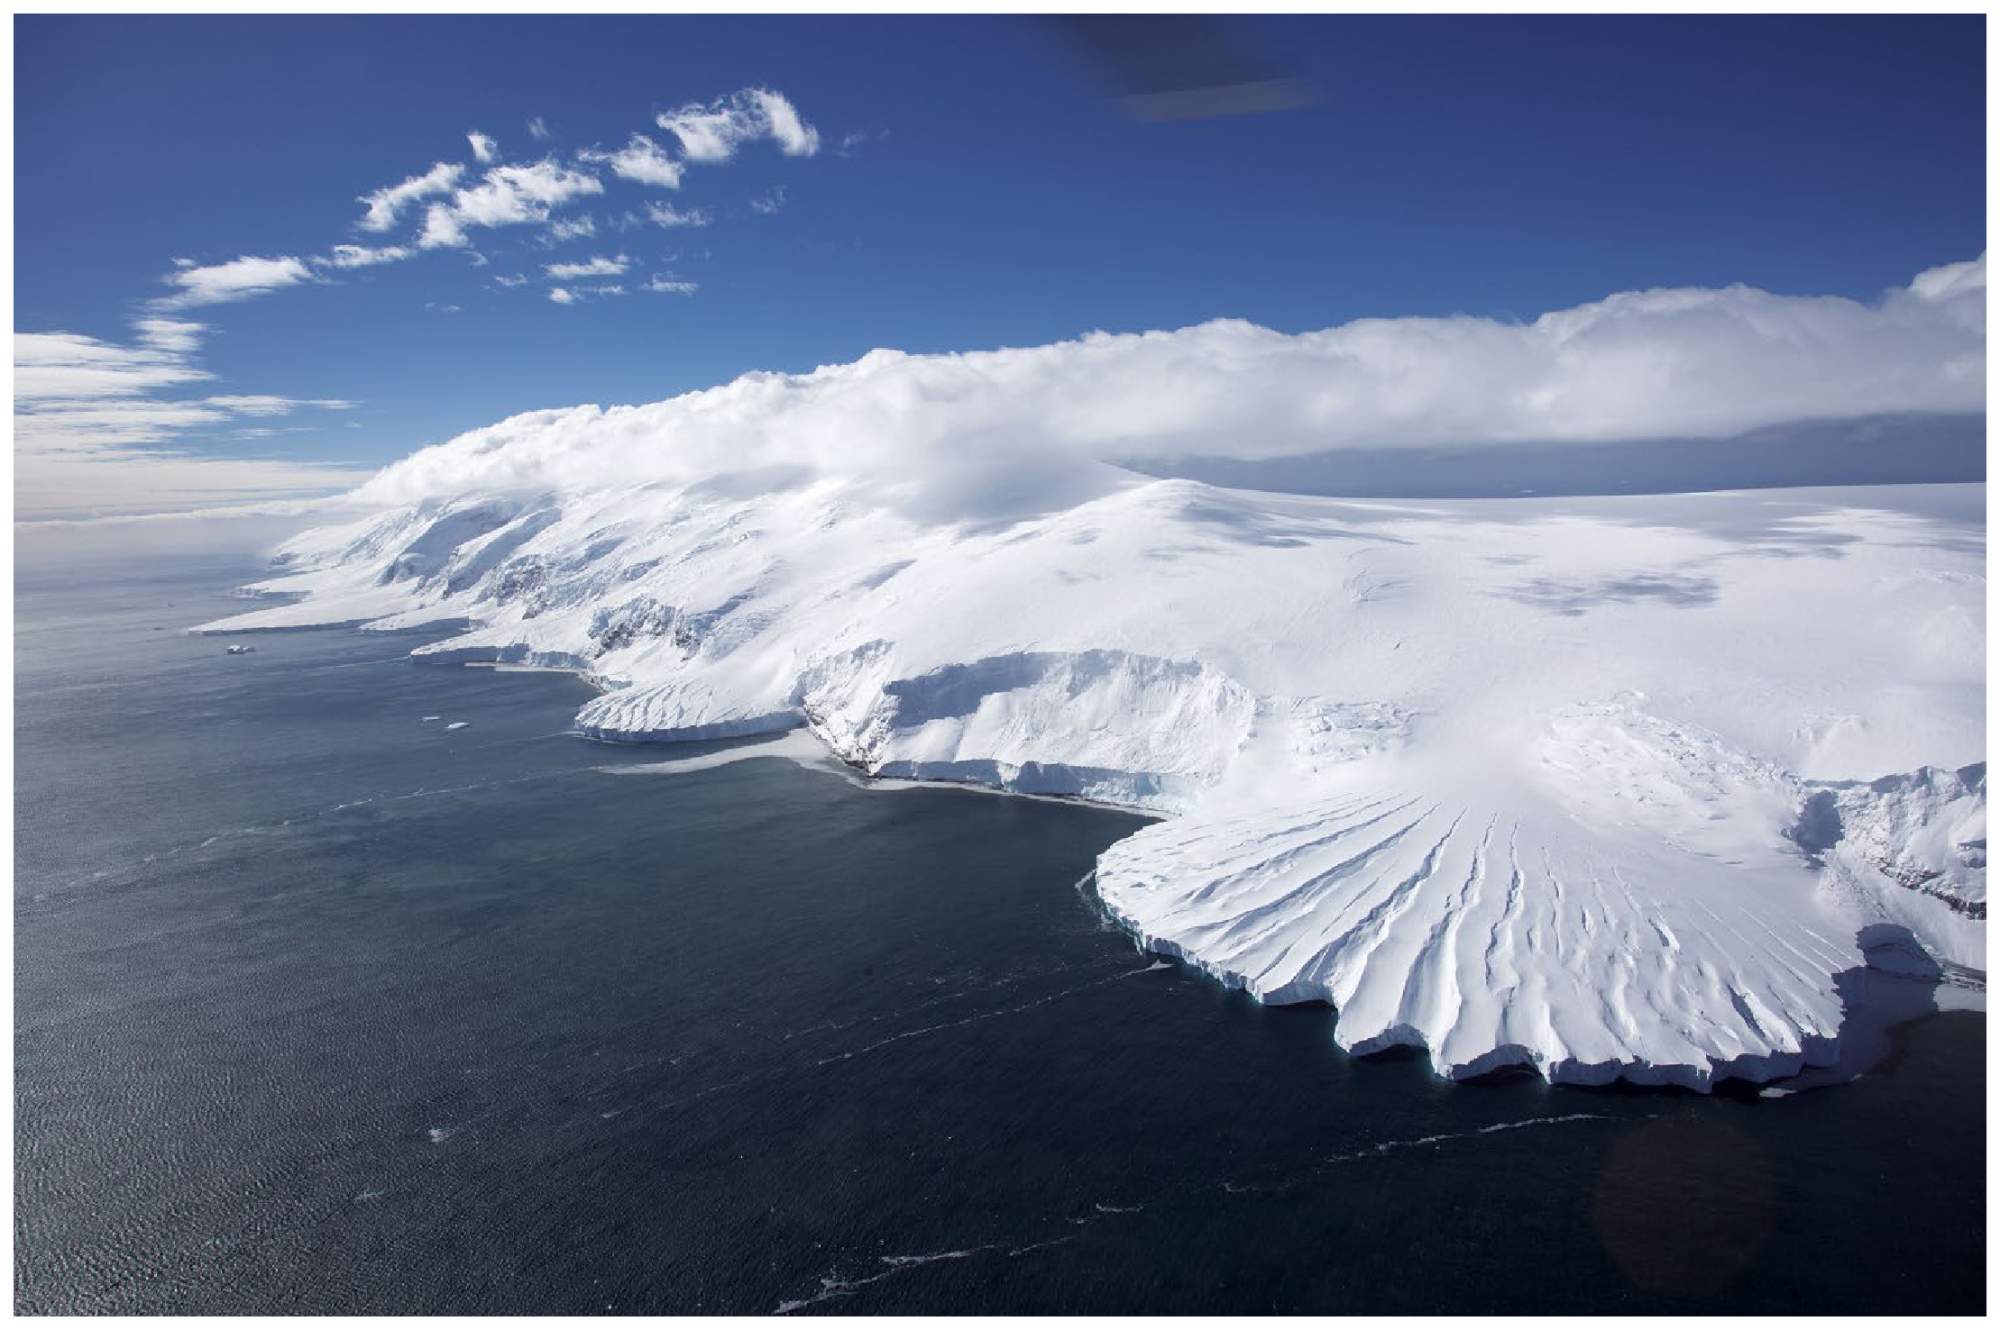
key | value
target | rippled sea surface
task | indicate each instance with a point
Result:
(322, 1007)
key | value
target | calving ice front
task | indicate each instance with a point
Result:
(1608, 787)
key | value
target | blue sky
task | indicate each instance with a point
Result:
(970, 184)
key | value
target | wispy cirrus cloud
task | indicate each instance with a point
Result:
(665, 214)
(572, 295)
(713, 131)
(109, 425)
(95, 431)
(599, 266)
(86, 393)
(69, 366)
(362, 256)
(641, 160)
(386, 205)
(521, 193)
(238, 279)
(851, 141)
(264, 404)
(169, 336)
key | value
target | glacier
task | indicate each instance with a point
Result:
(1629, 787)
(1606, 788)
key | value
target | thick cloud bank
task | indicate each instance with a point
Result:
(993, 431)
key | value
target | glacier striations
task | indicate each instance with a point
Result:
(1606, 788)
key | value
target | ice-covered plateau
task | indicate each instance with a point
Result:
(1623, 787)
(1601, 787)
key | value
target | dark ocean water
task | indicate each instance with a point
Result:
(321, 1008)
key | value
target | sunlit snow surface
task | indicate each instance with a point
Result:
(1605, 787)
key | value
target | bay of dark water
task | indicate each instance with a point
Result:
(323, 1008)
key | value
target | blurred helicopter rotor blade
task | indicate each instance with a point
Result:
(1180, 66)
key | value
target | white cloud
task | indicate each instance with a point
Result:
(766, 204)
(443, 228)
(238, 279)
(572, 295)
(103, 426)
(91, 431)
(169, 336)
(665, 214)
(384, 205)
(361, 256)
(948, 429)
(67, 365)
(596, 267)
(855, 138)
(516, 280)
(506, 196)
(670, 286)
(81, 393)
(713, 132)
(795, 137)
(572, 228)
(82, 487)
(538, 129)
(59, 365)
(484, 147)
(640, 160)
(262, 404)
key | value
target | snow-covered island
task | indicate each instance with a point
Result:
(1607, 787)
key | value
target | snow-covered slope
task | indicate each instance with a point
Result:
(1605, 787)
(1608, 787)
